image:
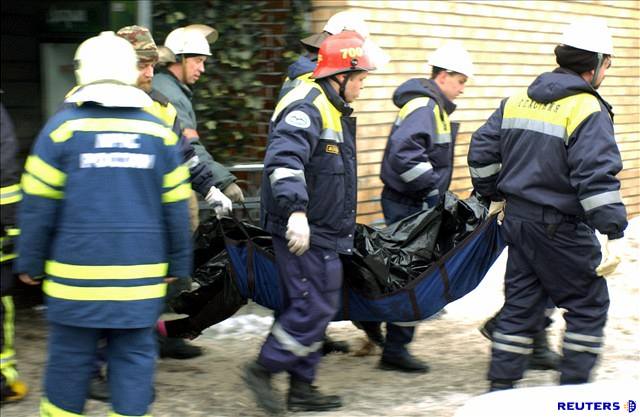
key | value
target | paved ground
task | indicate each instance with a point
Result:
(458, 355)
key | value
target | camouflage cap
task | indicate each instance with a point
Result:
(142, 42)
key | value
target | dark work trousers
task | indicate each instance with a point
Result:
(131, 356)
(398, 337)
(553, 255)
(311, 291)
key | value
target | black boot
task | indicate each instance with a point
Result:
(99, 389)
(258, 379)
(176, 348)
(488, 327)
(305, 397)
(542, 357)
(405, 362)
(500, 385)
(330, 346)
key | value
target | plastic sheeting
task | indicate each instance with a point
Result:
(407, 271)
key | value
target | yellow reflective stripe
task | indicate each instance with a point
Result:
(585, 104)
(331, 117)
(49, 410)
(181, 192)
(13, 231)
(295, 94)
(32, 185)
(443, 127)
(10, 194)
(410, 107)
(7, 327)
(166, 113)
(558, 118)
(5, 258)
(175, 177)
(63, 270)
(70, 292)
(45, 172)
(67, 129)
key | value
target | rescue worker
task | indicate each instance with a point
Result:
(202, 178)
(104, 168)
(302, 68)
(548, 155)
(308, 204)
(417, 168)
(11, 387)
(300, 71)
(190, 47)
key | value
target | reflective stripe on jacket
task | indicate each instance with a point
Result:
(104, 216)
(310, 165)
(553, 145)
(10, 191)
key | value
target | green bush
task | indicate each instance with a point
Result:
(234, 98)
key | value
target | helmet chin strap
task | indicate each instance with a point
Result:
(343, 84)
(597, 69)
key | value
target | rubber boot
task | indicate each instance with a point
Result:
(334, 346)
(13, 392)
(305, 397)
(542, 357)
(500, 385)
(258, 379)
(177, 348)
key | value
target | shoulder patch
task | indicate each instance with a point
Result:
(298, 118)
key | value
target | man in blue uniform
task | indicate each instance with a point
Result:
(11, 387)
(549, 156)
(104, 218)
(309, 205)
(417, 168)
(300, 71)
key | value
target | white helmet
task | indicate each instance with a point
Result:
(346, 20)
(192, 39)
(453, 57)
(106, 58)
(590, 34)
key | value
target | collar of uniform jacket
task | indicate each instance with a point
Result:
(335, 99)
(561, 83)
(435, 93)
(180, 84)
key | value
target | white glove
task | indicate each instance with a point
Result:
(497, 207)
(234, 192)
(298, 233)
(220, 202)
(611, 257)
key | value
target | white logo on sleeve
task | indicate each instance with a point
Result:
(298, 118)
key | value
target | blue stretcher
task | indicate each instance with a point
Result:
(449, 277)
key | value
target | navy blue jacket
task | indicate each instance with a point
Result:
(104, 216)
(418, 159)
(298, 72)
(553, 145)
(310, 166)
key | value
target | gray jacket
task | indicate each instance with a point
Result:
(180, 95)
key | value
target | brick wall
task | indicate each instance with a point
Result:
(511, 43)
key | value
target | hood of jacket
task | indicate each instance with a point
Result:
(303, 65)
(421, 87)
(561, 83)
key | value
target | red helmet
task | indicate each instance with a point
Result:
(344, 52)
